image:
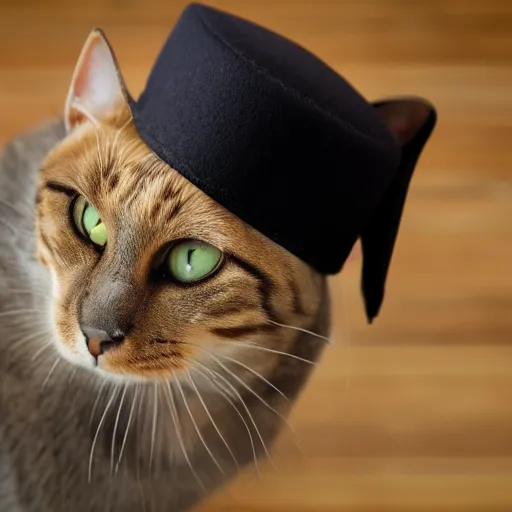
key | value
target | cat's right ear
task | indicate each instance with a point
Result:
(97, 88)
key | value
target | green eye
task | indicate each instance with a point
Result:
(87, 220)
(191, 261)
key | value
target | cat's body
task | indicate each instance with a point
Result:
(152, 342)
(46, 430)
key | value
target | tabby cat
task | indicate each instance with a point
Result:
(156, 343)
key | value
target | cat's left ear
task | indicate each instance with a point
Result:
(410, 121)
(97, 88)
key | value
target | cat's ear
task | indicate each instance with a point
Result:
(410, 121)
(97, 88)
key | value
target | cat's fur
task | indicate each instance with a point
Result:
(49, 421)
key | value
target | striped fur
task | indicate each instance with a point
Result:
(146, 205)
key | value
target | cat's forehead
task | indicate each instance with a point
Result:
(137, 192)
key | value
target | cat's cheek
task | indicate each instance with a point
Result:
(69, 340)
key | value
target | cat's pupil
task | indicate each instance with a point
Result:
(189, 258)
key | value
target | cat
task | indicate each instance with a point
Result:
(152, 344)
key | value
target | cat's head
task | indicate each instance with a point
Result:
(150, 275)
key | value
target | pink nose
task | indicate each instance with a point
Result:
(98, 341)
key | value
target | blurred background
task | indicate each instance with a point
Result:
(414, 413)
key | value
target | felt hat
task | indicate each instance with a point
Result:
(281, 140)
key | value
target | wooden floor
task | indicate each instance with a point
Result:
(413, 414)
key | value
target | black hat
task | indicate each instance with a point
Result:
(281, 140)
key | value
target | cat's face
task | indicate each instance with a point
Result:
(139, 254)
(150, 275)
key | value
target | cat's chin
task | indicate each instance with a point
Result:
(142, 375)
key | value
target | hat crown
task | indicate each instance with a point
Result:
(296, 69)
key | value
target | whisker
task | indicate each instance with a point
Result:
(10, 206)
(259, 347)
(180, 389)
(38, 319)
(95, 405)
(30, 337)
(301, 330)
(254, 372)
(227, 370)
(38, 353)
(132, 408)
(10, 226)
(265, 403)
(118, 133)
(22, 311)
(174, 413)
(50, 373)
(28, 325)
(244, 405)
(153, 428)
(99, 151)
(116, 423)
(37, 293)
(224, 394)
(72, 375)
(210, 417)
(46, 360)
(95, 440)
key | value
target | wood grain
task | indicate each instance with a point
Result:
(414, 413)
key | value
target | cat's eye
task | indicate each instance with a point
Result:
(87, 221)
(191, 261)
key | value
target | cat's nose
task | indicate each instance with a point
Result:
(98, 341)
